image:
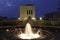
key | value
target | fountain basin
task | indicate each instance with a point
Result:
(28, 36)
(28, 33)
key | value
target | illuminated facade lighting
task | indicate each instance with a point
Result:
(25, 18)
(34, 18)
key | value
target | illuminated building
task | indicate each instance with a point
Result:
(27, 12)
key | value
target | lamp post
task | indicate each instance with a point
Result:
(18, 18)
(40, 18)
(41, 21)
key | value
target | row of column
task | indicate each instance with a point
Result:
(29, 12)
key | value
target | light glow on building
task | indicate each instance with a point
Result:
(25, 18)
(34, 18)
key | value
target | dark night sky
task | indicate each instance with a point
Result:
(10, 8)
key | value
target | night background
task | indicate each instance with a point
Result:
(11, 8)
(14, 26)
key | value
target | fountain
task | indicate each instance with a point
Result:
(28, 33)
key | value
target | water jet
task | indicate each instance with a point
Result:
(28, 33)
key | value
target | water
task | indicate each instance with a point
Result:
(28, 34)
(28, 29)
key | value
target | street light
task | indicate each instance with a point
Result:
(18, 18)
(40, 18)
(7, 29)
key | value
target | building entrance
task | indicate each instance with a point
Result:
(29, 18)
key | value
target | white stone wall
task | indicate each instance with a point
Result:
(23, 12)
